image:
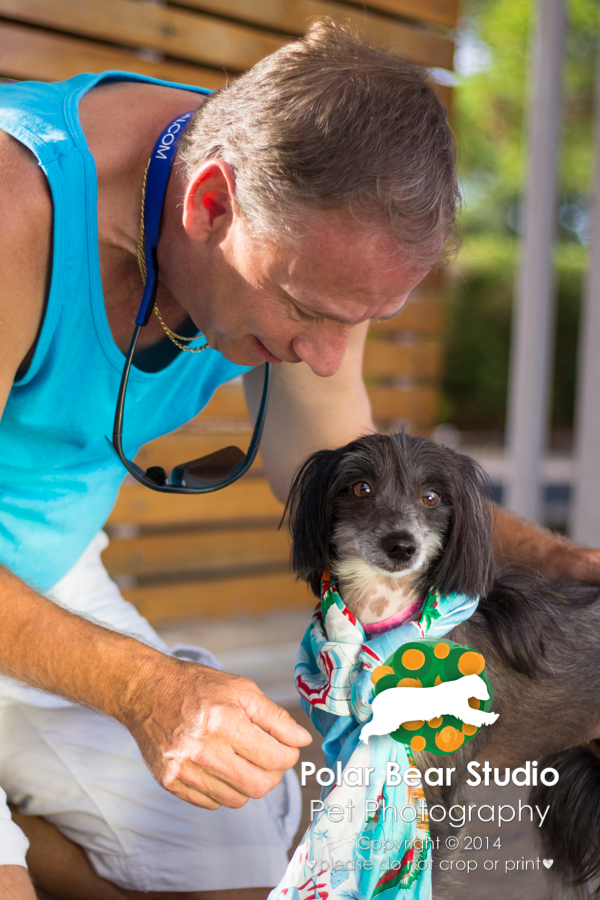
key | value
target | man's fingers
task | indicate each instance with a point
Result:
(234, 771)
(238, 753)
(211, 789)
(262, 750)
(251, 726)
(275, 720)
(192, 795)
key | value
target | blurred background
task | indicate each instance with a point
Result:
(493, 95)
(486, 356)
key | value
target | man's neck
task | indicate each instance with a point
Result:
(121, 123)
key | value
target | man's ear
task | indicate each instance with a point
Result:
(208, 199)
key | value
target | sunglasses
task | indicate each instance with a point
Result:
(219, 469)
(199, 476)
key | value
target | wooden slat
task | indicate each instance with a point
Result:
(247, 500)
(186, 35)
(437, 12)
(221, 597)
(433, 281)
(28, 53)
(421, 317)
(228, 402)
(31, 54)
(418, 404)
(237, 433)
(294, 16)
(444, 94)
(192, 551)
(385, 359)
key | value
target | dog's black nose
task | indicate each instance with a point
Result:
(399, 547)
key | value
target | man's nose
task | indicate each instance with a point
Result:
(323, 348)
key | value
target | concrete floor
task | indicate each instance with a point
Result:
(264, 648)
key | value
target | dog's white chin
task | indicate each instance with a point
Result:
(372, 594)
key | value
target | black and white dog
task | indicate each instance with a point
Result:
(394, 516)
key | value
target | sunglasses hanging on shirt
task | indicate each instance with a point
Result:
(223, 467)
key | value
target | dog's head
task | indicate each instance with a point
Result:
(402, 505)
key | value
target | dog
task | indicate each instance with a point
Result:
(393, 516)
(408, 704)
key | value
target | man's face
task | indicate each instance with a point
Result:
(280, 303)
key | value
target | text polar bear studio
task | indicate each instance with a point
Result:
(405, 704)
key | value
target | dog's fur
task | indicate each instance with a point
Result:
(540, 639)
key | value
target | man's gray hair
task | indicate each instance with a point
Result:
(331, 123)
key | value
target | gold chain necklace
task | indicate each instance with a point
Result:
(141, 258)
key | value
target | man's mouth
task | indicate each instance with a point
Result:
(265, 354)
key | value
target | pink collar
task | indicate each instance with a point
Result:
(399, 618)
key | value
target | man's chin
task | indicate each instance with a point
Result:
(239, 356)
(244, 355)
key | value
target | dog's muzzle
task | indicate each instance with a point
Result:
(399, 546)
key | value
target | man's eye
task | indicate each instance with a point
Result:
(362, 489)
(430, 499)
(306, 317)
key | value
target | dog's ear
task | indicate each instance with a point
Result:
(310, 511)
(466, 565)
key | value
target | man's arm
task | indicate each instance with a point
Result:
(25, 227)
(519, 540)
(15, 884)
(308, 413)
(209, 737)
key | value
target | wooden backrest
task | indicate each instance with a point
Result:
(222, 552)
(201, 42)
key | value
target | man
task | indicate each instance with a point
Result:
(310, 196)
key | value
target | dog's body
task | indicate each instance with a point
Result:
(392, 517)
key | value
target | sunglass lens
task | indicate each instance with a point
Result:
(209, 469)
(156, 474)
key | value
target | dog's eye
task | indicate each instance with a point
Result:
(430, 499)
(362, 489)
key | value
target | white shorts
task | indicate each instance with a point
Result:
(83, 772)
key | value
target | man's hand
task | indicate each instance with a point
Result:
(519, 540)
(212, 738)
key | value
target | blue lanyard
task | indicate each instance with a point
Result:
(156, 186)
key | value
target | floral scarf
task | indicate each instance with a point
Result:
(367, 851)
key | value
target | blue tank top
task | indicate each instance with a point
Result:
(59, 478)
